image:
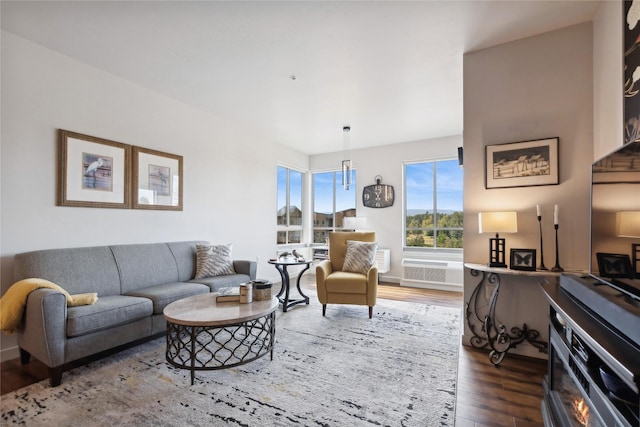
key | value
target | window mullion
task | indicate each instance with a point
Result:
(435, 205)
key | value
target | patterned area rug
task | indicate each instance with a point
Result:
(397, 369)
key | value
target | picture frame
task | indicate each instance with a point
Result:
(635, 260)
(157, 180)
(614, 265)
(522, 164)
(93, 172)
(631, 104)
(523, 259)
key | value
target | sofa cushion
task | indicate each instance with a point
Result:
(360, 256)
(144, 265)
(185, 256)
(163, 295)
(76, 270)
(217, 282)
(107, 312)
(213, 260)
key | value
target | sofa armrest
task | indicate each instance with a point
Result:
(43, 332)
(246, 267)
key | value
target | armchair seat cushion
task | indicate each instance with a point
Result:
(344, 282)
(107, 312)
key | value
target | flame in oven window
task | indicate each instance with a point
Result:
(581, 412)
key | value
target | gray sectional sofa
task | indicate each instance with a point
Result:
(134, 284)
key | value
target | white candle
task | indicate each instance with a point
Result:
(538, 210)
(555, 215)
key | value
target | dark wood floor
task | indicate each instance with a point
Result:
(486, 396)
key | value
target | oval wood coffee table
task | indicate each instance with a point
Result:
(203, 334)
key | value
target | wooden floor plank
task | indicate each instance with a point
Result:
(507, 396)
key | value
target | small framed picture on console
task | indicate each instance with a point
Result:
(523, 259)
(615, 266)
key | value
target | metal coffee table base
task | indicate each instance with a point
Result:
(205, 348)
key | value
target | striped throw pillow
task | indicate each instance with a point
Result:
(360, 256)
(214, 260)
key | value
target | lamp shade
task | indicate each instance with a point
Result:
(498, 222)
(354, 222)
(628, 224)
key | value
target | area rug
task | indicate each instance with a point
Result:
(397, 369)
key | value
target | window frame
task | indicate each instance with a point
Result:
(337, 180)
(435, 228)
(288, 227)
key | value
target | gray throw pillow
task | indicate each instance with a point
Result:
(214, 260)
(360, 256)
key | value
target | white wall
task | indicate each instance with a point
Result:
(532, 88)
(229, 170)
(608, 46)
(387, 161)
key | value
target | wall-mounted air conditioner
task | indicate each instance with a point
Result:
(432, 274)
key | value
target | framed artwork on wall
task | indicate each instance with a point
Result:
(93, 172)
(631, 74)
(157, 180)
(522, 164)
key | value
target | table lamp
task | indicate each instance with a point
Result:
(628, 225)
(497, 222)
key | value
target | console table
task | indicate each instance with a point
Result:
(487, 331)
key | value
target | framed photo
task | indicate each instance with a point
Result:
(523, 259)
(522, 164)
(614, 265)
(635, 256)
(93, 172)
(157, 180)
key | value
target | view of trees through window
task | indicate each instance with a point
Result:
(433, 204)
(432, 208)
(289, 205)
(331, 203)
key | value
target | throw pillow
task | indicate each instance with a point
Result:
(214, 260)
(360, 256)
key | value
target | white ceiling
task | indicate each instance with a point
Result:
(391, 70)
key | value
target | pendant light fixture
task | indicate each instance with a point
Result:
(346, 164)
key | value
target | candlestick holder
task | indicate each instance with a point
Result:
(541, 266)
(557, 267)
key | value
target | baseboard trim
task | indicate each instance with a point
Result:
(9, 353)
(453, 287)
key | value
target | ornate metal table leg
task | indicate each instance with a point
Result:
(200, 348)
(475, 316)
(286, 301)
(284, 275)
(494, 334)
(272, 333)
(193, 354)
(305, 298)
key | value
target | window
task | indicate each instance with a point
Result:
(289, 205)
(433, 204)
(331, 203)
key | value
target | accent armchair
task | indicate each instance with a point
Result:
(359, 284)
